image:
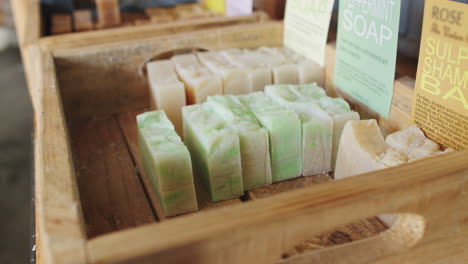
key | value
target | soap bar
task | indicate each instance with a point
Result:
(167, 92)
(215, 151)
(337, 108)
(259, 74)
(308, 70)
(108, 13)
(166, 161)
(285, 70)
(235, 80)
(199, 81)
(255, 154)
(284, 131)
(83, 20)
(317, 127)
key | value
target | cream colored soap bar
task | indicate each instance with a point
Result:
(199, 81)
(284, 131)
(167, 163)
(317, 127)
(235, 80)
(255, 154)
(215, 150)
(309, 71)
(287, 72)
(337, 108)
(167, 92)
(259, 74)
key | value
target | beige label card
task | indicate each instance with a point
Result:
(440, 101)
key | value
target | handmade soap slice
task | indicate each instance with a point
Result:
(317, 127)
(286, 72)
(284, 131)
(167, 92)
(308, 70)
(255, 154)
(215, 151)
(259, 74)
(337, 108)
(167, 163)
(235, 80)
(199, 81)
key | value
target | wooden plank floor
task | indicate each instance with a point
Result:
(117, 194)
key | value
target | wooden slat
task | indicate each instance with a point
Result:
(28, 22)
(60, 226)
(434, 190)
(344, 234)
(111, 193)
(128, 125)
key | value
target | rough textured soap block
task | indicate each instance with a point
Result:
(167, 92)
(167, 163)
(215, 151)
(235, 80)
(317, 127)
(199, 81)
(255, 154)
(108, 13)
(259, 74)
(83, 20)
(284, 131)
(337, 108)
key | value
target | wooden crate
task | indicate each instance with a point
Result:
(94, 204)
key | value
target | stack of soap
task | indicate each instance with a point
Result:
(317, 127)
(309, 71)
(259, 75)
(337, 108)
(235, 79)
(363, 149)
(284, 131)
(255, 155)
(199, 81)
(167, 163)
(215, 151)
(167, 92)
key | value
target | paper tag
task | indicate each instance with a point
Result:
(239, 7)
(306, 25)
(366, 49)
(440, 101)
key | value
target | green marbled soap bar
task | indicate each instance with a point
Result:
(284, 131)
(215, 151)
(167, 163)
(255, 154)
(317, 128)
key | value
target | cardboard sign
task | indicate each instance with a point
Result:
(306, 25)
(366, 49)
(440, 101)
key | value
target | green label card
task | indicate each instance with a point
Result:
(366, 49)
(306, 25)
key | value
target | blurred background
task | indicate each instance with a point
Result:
(16, 128)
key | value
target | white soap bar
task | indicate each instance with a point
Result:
(199, 81)
(317, 127)
(284, 131)
(167, 92)
(337, 108)
(259, 74)
(167, 163)
(235, 80)
(255, 154)
(309, 70)
(284, 72)
(215, 151)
